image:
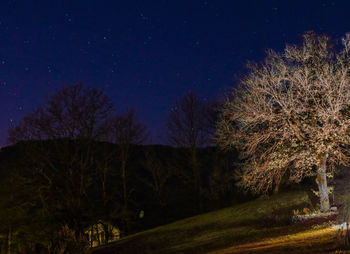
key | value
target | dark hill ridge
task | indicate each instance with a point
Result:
(77, 183)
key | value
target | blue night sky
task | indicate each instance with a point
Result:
(144, 54)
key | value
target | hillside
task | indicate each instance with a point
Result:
(259, 226)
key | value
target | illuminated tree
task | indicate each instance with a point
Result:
(290, 116)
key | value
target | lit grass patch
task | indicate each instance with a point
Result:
(314, 239)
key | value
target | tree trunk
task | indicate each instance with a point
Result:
(125, 199)
(321, 181)
(196, 180)
(125, 191)
(98, 235)
(124, 157)
(92, 236)
(9, 240)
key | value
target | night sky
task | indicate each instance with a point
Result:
(144, 54)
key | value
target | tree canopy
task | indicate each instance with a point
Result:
(290, 115)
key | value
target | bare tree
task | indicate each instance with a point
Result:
(74, 112)
(291, 115)
(64, 153)
(124, 131)
(189, 125)
(160, 173)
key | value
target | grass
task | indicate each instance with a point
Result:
(319, 240)
(259, 226)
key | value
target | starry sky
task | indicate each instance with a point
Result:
(144, 54)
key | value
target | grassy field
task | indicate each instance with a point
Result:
(259, 226)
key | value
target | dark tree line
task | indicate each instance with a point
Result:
(76, 163)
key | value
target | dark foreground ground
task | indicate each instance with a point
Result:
(259, 226)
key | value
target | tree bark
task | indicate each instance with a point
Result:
(321, 181)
